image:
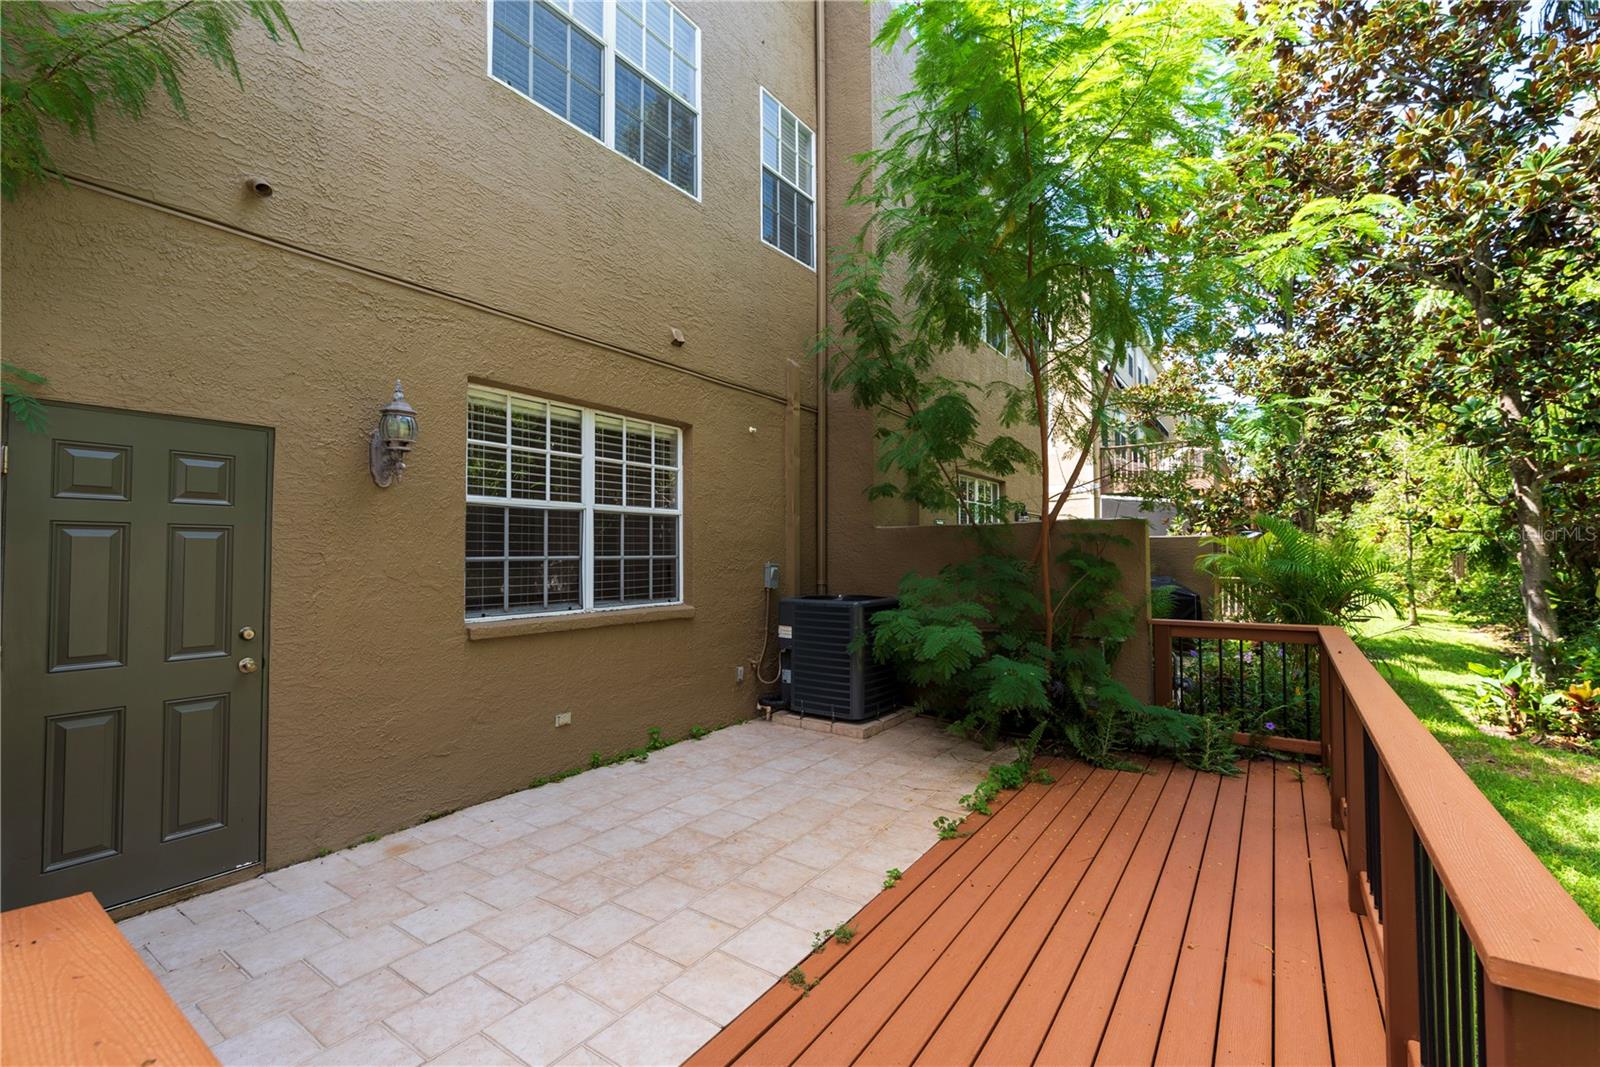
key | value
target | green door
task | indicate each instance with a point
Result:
(135, 635)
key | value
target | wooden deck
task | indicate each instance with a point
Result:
(1109, 917)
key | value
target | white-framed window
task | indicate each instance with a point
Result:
(626, 72)
(569, 509)
(980, 500)
(995, 334)
(788, 182)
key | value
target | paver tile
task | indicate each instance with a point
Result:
(541, 1031)
(624, 977)
(442, 1019)
(536, 967)
(253, 1003)
(517, 926)
(719, 987)
(277, 1041)
(350, 1009)
(659, 897)
(278, 948)
(657, 1031)
(774, 946)
(737, 903)
(431, 969)
(603, 929)
(438, 921)
(362, 954)
(372, 1047)
(686, 936)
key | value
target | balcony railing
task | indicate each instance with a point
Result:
(1486, 960)
(1121, 466)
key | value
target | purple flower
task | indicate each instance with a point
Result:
(1272, 726)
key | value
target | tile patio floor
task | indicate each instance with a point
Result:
(621, 916)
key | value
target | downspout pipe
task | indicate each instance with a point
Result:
(821, 172)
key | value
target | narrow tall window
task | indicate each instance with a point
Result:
(787, 182)
(980, 500)
(995, 334)
(571, 55)
(568, 509)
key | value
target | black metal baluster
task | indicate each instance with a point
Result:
(1238, 695)
(1261, 679)
(1305, 691)
(1373, 817)
(1480, 1045)
(1177, 666)
(1426, 944)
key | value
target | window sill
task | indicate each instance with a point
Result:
(488, 629)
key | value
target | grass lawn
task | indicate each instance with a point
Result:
(1551, 797)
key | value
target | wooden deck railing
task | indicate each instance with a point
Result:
(1486, 959)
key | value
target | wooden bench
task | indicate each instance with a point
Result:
(73, 991)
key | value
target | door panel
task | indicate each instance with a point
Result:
(135, 553)
(195, 766)
(199, 581)
(91, 472)
(83, 760)
(88, 611)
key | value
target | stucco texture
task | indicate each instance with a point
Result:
(424, 219)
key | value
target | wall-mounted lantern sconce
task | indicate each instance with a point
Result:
(394, 436)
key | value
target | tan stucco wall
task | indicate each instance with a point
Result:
(1174, 555)
(392, 152)
(857, 71)
(428, 224)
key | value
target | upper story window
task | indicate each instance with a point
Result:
(788, 165)
(572, 56)
(980, 500)
(569, 509)
(995, 334)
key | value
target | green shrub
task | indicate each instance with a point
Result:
(968, 642)
(1287, 575)
(1517, 697)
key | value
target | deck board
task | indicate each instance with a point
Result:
(1116, 917)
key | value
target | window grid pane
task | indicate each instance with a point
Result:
(525, 550)
(656, 130)
(787, 208)
(980, 500)
(554, 52)
(538, 51)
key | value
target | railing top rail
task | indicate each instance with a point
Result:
(1282, 633)
(1528, 933)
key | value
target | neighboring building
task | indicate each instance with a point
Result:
(1106, 485)
(584, 238)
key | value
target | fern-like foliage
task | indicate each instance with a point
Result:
(63, 62)
(968, 641)
(1287, 575)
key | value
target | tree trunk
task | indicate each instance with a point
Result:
(1533, 557)
(1411, 554)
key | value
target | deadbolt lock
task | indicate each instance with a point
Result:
(247, 633)
(248, 666)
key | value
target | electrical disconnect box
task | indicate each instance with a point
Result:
(769, 575)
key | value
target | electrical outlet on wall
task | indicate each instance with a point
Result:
(563, 718)
(738, 675)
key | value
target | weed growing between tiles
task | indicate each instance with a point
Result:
(844, 933)
(634, 755)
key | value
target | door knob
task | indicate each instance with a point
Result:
(248, 666)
